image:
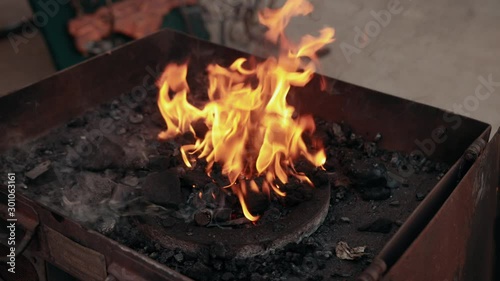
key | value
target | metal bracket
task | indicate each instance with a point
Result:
(474, 150)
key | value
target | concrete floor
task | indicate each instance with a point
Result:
(431, 52)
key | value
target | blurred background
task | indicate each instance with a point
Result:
(434, 52)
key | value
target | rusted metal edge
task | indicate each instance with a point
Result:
(457, 244)
(81, 262)
(423, 214)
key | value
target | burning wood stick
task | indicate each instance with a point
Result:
(203, 217)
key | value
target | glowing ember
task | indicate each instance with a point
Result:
(251, 131)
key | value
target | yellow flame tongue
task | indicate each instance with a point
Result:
(251, 131)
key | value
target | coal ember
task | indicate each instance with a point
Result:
(337, 133)
(160, 162)
(339, 180)
(376, 193)
(95, 186)
(77, 122)
(196, 178)
(101, 155)
(257, 203)
(381, 225)
(122, 193)
(367, 173)
(199, 271)
(320, 179)
(218, 250)
(163, 188)
(420, 196)
(295, 194)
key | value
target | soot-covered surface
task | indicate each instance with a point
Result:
(108, 171)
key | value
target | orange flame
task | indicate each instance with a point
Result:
(251, 131)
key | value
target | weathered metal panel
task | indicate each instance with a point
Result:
(457, 244)
(79, 261)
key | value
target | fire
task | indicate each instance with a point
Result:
(252, 131)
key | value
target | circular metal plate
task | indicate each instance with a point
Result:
(300, 222)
